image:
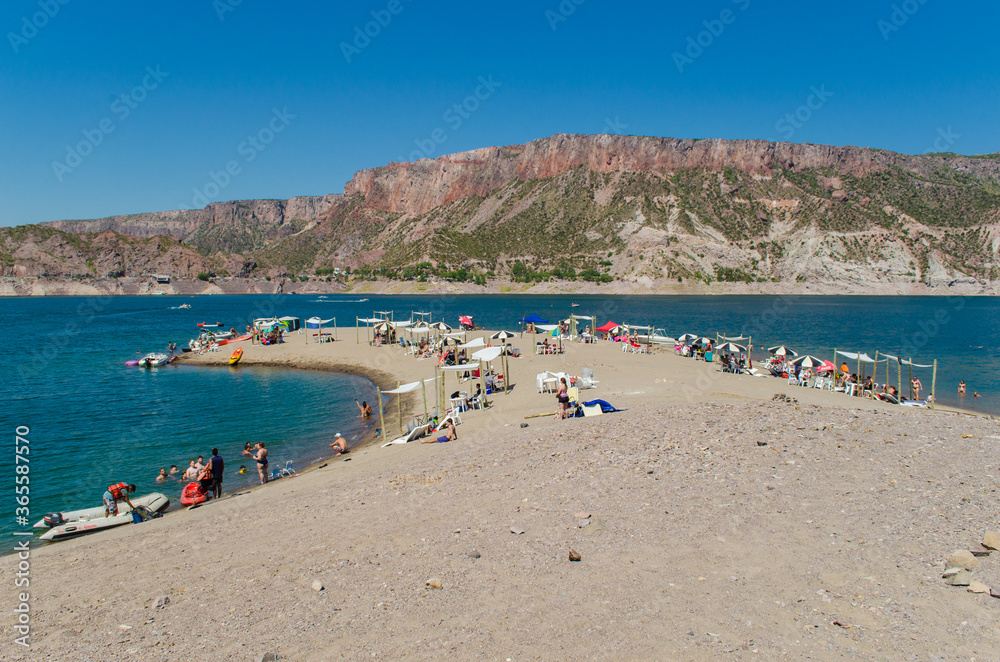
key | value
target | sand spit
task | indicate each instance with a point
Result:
(711, 523)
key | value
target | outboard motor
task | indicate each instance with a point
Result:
(54, 519)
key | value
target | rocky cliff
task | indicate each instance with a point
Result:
(646, 214)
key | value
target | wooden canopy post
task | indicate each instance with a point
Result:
(381, 415)
(874, 373)
(910, 372)
(399, 409)
(357, 330)
(933, 384)
(423, 391)
(899, 379)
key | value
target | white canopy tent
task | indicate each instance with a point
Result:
(317, 323)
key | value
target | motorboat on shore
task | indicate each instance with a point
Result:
(657, 337)
(88, 520)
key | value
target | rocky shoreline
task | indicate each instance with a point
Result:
(141, 286)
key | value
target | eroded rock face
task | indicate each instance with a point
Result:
(269, 219)
(414, 188)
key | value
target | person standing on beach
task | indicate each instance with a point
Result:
(961, 389)
(261, 458)
(217, 466)
(915, 386)
(563, 398)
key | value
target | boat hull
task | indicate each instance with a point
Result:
(90, 520)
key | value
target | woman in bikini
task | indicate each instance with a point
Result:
(261, 458)
(563, 398)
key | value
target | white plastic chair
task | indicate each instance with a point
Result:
(288, 470)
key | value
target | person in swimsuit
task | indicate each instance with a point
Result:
(191, 473)
(449, 435)
(339, 443)
(961, 389)
(162, 478)
(247, 450)
(366, 411)
(915, 386)
(563, 398)
(174, 470)
(261, 458)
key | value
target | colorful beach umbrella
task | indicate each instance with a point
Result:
(781, 350)
(808, 361)
(502, 335)
(827, 367)
(608, 328)
(730, 348)
(686, 337)
(441, 326)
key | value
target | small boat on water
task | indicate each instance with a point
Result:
(209, 324)
(183, 306)
(236, 356)
(153, 361)
(79, 522)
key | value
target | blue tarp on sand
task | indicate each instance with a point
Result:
(606, 407)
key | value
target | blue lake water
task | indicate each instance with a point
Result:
(94, 422)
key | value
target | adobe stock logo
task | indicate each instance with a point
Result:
(122, 107)
(363, 35)
(38, 20)
(249, 149)
(797, 119)
(697, 44)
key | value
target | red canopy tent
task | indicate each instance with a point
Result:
(607, 328)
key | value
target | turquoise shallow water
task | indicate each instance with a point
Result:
(93, 421)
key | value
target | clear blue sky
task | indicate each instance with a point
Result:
(224, 67)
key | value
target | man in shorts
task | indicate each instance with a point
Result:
(449, 435)
(339, 444)
(114, 494)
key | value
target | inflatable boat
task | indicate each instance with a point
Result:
(192, 495)
(78, 522)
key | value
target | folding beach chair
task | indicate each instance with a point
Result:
(287, 470)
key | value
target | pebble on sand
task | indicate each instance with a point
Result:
(474, 554)
(434, 582)
(991, 540)
(516, 531)
(161, 601)
(961, 578)
(978, 549)
(995, 591)
(317, 585)
(963, 558)
(574, 555)
(581, 515)
(978, 587)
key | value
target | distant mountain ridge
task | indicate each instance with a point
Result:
(644, 213)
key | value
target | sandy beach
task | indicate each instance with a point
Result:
(711, 522)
